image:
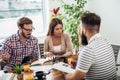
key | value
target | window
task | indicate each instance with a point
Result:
(12, 10)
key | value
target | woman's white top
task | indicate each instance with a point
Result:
(57, 48)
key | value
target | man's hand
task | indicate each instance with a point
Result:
(77, 75)
(6, 56)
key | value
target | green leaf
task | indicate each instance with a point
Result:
(17, 69)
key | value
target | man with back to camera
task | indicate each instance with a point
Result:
(96, 60)
(21, 44)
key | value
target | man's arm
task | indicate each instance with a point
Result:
(6, 50)
(77, 75)
(35, 54)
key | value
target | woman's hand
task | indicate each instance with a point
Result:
(49, 54)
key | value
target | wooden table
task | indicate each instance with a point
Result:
(6, 76)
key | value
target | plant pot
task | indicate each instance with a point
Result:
(20, 76)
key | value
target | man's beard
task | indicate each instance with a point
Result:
(23, 34)
(84, 39)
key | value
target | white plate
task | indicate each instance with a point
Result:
(41, 68)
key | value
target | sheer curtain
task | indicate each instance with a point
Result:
(12, 10)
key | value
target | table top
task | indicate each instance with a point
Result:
(7, 76)
(45, 68)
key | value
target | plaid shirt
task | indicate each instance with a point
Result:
(13, 46)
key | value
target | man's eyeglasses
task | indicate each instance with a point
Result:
(29, 30)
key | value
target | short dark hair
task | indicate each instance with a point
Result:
(52, 25)
(23, 20)
(91, 19)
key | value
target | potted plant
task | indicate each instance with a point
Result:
(71, 19)
(18, 70)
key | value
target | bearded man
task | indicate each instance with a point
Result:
(21, 44)
(96, 60)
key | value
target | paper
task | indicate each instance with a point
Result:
(7, 76)
(63, 67)
(40, 62)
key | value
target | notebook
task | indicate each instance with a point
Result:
(41, 62)
(63, 67)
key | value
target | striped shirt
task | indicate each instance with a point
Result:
(97, 60)
(13, 46)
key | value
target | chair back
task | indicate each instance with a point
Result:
(116, 49)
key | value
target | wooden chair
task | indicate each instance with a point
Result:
(116, 49)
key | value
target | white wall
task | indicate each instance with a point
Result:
(109, 10)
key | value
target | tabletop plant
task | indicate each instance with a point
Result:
(18, 70)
